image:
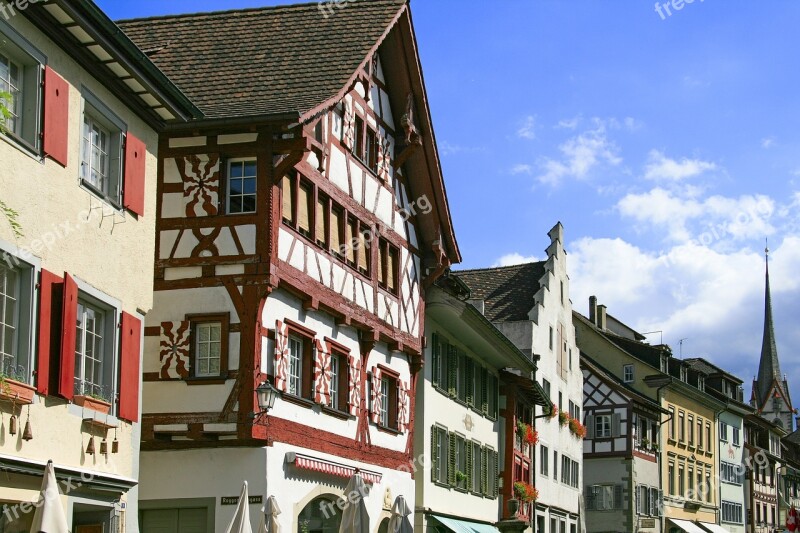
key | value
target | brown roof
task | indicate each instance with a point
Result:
(265, 61)
(508, 292)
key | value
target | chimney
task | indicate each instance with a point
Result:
(593, 309)
(601, 317)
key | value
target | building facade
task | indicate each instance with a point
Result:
(79, 164)
(763, 463)
(530, 304)
(298, 224)
(474, 408)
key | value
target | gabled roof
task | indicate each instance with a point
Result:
(508, 292)
(624, 388)
(266, 61)
(769, 367)
(706, 367)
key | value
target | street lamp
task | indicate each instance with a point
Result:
(266, 396)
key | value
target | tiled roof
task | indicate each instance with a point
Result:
(285, 59)
(508, 292)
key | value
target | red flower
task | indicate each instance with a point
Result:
(531, 436)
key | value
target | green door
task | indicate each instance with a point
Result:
(175, 521)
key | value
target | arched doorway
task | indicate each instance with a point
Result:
(384, 527)
(321, 515)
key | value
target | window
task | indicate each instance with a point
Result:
(671, 478)
(560, 400)
(20, 76)
(691, 430)
(671, 422)
(601, 498)
(16, 288)
(655, 502)
(562, 293)
(358, 129)
(439, 452)
(491, 473)
(295, 365)
(551, 338)
(700, 434)
(241, 195)
(643, 501)
(707, 487)
(732, 513)
(681, 426)
(208, 349)
(438, 362)
(708, 435)
(570, 472)
(384, 392)
(691, 487)
(544, 458)
(723, 431)
(731, 473)
(389, 257)
(736, 437)
(627, 373)
(477, 468)
(387, 389)
(371, 151)
(546, 387)
(339, 381)
(493, 395)
(94, 350)
(102, 142)
(681, 482)
(602, 426)
(555, 464)
(461, 472)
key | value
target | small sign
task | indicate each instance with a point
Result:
(648, 523)
(233, 500)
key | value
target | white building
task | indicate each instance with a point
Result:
(530, 304)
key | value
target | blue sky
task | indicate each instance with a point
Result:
(668, 147)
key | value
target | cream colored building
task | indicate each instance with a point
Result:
(78, 164)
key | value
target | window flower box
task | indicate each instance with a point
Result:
(15, 391)
(90, 402)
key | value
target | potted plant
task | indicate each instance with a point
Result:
(92, 397)
(13, 386)
(563, 418)
(645, 444)
(553, 412)
(577, 429)
(654, 447)
(525, 492)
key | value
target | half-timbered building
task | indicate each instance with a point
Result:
(530, 305)
(78, 154)
(763, 462)
(298, 224)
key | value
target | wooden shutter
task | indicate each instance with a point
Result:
(436, 360)
(354, 384)
(470, 381)
(382, 262)
(375, 408)
(322, 372)
(321, 233)
(49, 328)
(484, 391)
(452, 370)
(589, 426)
(451, 459)
(349, 235)
(484, 471)
(436, 462)
(616, 425)
(403, 406)
(468, 465)
(69, 330)
(286, 193)
(391, 270)
(56, 117)
(131, 332)
(363, 252)
(336, 230)
(281, 356)
(135, 173)
(303, 203)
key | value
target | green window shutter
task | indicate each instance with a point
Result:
(470, 381)
(436, 462)
(451, 470)
(494, 477)
(452, 370)
(436, 360)
(468, 470)
(484, 471)
(462, 376)
(484, 403)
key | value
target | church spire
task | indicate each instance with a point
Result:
(769, 369)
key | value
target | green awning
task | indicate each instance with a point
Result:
(464, 526)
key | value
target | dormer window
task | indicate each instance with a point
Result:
(701, 383)
(664, 363)
(684, 374)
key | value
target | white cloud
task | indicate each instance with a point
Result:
(661, 168)
(579, 156)
(569, 123)
(447, 148)
(767, 142)
(514, 259)
(521, 169)
(528, 128)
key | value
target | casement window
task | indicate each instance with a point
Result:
(209, 345)
(438, 361)
(731, 473)
(371, 150)
(555, 465)
(723, 431)
(544, 458)
(440, 447)
(671, 422)
(699, 433)
(383, 398)
(358, 128)
(389, 263)
(384, 410)
(491, 485)
(627, 373)
(602, 426)
(732, 513)
(339, 382)
(736, 441)
(493, 393)
(21, 78)
(551, 340)
(461, 471)
(604, 497)
(690, 480)
(691, 430)
(16, 324)
(681, 481)
(241, 189)
(546, 387)
(707, 488)
(708, 434)
(297, 207)
(671, 478)
(476, 463)
(296, 356)
(102, 143)
(570, 472)
(94, 350)
(681, 426)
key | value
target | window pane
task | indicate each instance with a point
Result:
(250, 168)
(287, 198)
(236, 170)
(249, 186)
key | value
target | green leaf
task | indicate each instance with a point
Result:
(12, 217)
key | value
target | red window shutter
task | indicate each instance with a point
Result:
(133, 195)
(56, 117)
(49, 289)
(131, 331)
(69, 331)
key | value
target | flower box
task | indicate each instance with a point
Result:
(15, 391)
(89, 402)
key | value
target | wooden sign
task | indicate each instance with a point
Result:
(233, 500)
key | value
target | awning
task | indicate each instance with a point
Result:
(313, 464)
(688, 527)
(464, 526)
(713, 528)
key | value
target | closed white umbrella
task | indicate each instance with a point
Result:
(49, 516)
(399, 522)
(355, 518)
(269, 520)
(241, 518)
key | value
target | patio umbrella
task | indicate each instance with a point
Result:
(241, 518)
(399, 522)
(354, 517)
(49, 516)
(269, 519)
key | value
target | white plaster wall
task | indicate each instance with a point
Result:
(735, 455)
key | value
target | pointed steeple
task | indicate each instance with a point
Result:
(769, 369)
